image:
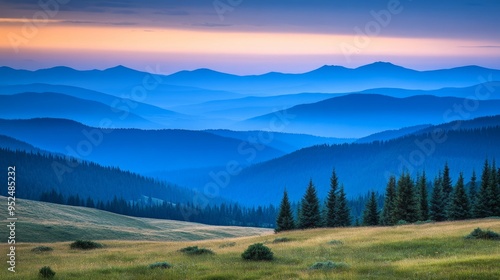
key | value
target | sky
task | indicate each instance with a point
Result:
(248, 36)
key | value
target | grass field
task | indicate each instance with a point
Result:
(426, 251)
(47, 222)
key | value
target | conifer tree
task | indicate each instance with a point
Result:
(331, 201)
(310, 212)
(473, 194)
(484, 207)
(423, 200)
(285, 216)
(389, 203)
(343, 218)
(437, 205)
(495, 202)
(406, 203)
(371, 214)
(459, 209)
(447, 189)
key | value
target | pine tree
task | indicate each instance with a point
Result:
(483, 207)
(285, 216)
(423, 200)
(371, 215)
(459, 209)
(389, 203)
(437, 205)
(331, 201)
(495, 202)
(343, 218)
(473, 194)
(447, 189)
(310, 215)
(406, 202)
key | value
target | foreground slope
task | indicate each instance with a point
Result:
(428, 251)
(47, 222)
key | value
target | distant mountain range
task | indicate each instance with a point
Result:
(327, 79)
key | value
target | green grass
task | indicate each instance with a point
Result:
(47, 222)
(425, 251)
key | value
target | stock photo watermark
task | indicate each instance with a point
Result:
(31, 27)
(373, 28)
(250, 148)
(94, 137)
(12, 218)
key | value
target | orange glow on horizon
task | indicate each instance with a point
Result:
(160, 40)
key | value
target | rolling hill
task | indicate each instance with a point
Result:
(117, 104)
(365, 167)
(134, 149)
(48, 222)
(359, 115)
(55, 105)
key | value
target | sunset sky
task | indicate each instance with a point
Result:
(248, 36)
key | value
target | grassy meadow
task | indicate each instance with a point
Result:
(425, 251)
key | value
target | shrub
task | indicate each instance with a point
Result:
(41, 249)
(329, 265)
(335, 242)
(46, 272)
(194, 250)
(229, 244)
(401, 223)
(282, 239)
(483, 234)
(162, 265)
(258, 252)
(85, 245)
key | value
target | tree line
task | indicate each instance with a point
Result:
(406, 200)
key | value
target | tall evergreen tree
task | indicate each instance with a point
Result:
(310, 212)
(389, 203)
(447, 189)
(343, 218)
(371, 214)
(437, 206)
(484, 207)
(423, 198)
(285, 216)
(331, 201)
(459, 209)
(406, 202)
(495, 202)
(473, 194)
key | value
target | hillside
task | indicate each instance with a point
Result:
(55, 105)
(427, 251)
(363, 167)
(359, 115)
(47, 222)
(134, 149)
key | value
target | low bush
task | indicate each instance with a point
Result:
(46, 272)
(258, 252)
(282, 240)
(335, 242)
(162, 265)
(194, 250)
(41, 249)
(85, 245)
(483, 234)
(329, 265)
(401, 223)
